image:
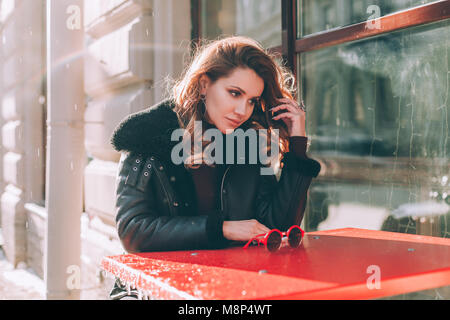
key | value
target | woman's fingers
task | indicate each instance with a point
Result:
(243, 230)
(294, 116)
(284, 115)
(257, 227)
(288, 104)
(283, 106)
(262, 229)
(292, 103)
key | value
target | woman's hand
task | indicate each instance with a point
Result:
(243, 230)
(294, 116)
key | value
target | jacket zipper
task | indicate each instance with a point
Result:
(169, 197)
(221, 188)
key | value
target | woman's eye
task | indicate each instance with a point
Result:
(236, 94)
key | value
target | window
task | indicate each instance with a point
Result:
(379, 116)
(316, 16)
(374, 77)
(260, 20)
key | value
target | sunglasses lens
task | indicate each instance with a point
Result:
(273, 241)
(295, 237)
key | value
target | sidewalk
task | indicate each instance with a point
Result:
(20, 283)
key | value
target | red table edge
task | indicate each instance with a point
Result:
(357, 291)
(389, 288)
(108, 263)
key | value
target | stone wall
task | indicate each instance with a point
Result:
(131, 47)
(22, 58)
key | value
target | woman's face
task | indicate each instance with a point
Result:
(230, 100)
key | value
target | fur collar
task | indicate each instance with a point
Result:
(148, 131)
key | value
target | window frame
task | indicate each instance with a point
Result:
(292, 46)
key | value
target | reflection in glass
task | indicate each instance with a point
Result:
(378, 118)
(320, 15)
(258, 19)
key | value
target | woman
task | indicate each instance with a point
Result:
(232, 83)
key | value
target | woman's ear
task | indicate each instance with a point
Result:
(204, 83)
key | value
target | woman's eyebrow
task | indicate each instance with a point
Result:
(244, 91)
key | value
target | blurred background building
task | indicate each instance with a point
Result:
(374, 76)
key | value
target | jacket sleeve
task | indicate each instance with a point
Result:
(142, 227)
(281, 204)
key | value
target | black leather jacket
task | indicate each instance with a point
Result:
(155, 200)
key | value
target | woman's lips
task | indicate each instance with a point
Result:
(236, 123)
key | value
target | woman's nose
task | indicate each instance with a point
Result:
(240, 108)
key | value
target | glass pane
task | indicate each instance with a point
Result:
(319, 15)
(258, 19)
(378, 120)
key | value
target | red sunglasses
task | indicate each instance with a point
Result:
(272, 240)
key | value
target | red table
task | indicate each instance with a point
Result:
(333, 264)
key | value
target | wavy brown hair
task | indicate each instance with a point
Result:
(219, 58)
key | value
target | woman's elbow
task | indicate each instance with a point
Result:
(128, 243)
(131, 238)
